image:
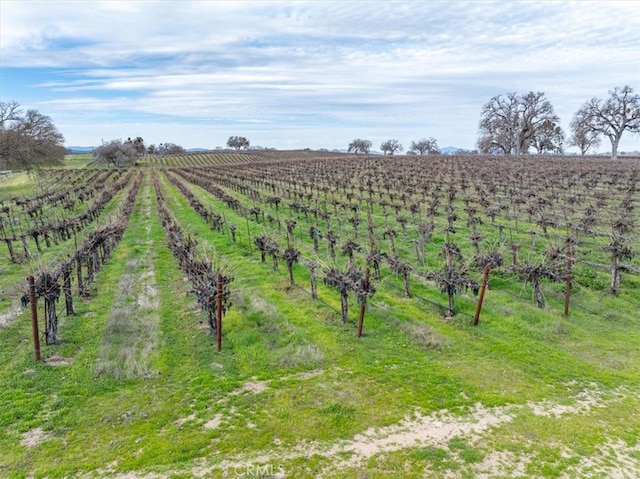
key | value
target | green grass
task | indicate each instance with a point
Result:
(294, 388)
(130, 339)
(19, 183)
(77, 161)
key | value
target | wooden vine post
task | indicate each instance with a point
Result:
(34, 316)
(66, 277)
(219, 312)
(567, 288)
(449, 276)
(363, 303)
(490, 261)
(485, 280)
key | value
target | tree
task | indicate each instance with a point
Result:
(610, 117)
(549, 138)
(28, 140)
(425, 147)
(165, 149)
(391, 146)
(509, 123)
(238, 143)
(116, 153)
(138, 144)
(9, 112)
(360, 146)
(582, 136)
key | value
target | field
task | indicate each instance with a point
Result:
(307, 247)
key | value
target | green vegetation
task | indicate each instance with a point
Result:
(136, 386)
(82, 160)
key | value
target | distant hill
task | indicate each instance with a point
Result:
(451, 150)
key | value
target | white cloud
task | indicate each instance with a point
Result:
(407, 68)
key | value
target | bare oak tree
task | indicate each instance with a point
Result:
(610, 117)
(548, 138)
(166, 149)
(582, 136)
(425, 146)
(138, 144)
(9, 111)
(509, 123)
(28, 140)
(360, 146)
(390, 147)
(116, 153)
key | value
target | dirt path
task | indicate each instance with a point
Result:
(614, 459)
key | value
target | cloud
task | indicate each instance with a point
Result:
(361, 66)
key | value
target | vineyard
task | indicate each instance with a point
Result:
(307, 314)
(216, 158)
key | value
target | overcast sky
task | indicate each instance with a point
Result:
(307, 74)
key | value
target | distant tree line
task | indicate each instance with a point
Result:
(510, 124)
(390, 147)
(126, 153)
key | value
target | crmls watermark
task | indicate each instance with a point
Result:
(261, 471)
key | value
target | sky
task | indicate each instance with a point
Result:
(314, 74)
